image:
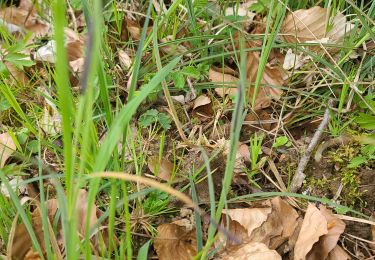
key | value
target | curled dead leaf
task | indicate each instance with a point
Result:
(328, 241)
(313, 227)
(242, 222)
(309, 25)
(175, 242)
(7, 147)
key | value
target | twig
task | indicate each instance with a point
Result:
(299, 176)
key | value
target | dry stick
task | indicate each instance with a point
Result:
(299, 176)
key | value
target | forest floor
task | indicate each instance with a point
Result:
(194, 129)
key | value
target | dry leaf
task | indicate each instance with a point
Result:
(270, 83)
(328, 241)
(227, 83)
(338, 254)
(253, 251)
(242, 222)
(125, 59)
(7, 147)
(77, 65)
(16, 73)
(201, 101)
(288, 216)
(24, 19)
(20, 246)
(82, 214)
(202, 107)
(162, 168)
(46, 52)
(293, 61)
(309, 25)
(175, 242)
(244, 151)
(313, 227)
(15, 184)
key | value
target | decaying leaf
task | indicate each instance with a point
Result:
(7, 147)
(338, 254)
(20, 244)
(24, 19)
(163, 168)
(293, 61)
(327, 242)
(46, 53)
(175, 242)
(319, 234)
(77, 65)
(125, 59)
(271, 82)
(16, 185)
(202, 107)
(253, 251)
(226, 82)
(309, 25)
(288, 219)
(251, 218)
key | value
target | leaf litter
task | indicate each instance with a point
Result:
(268, 229)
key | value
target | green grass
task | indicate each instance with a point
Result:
(99, 121)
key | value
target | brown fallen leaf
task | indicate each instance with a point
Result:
(242, 223)
(175, 242)
(313, 227)
(16, 73)
(288, 216)
(327, 242)
(82, 213)
(226, 82)
(202, 107)
(258, 117)
(244, 151)
(270, 84)
(124, 59)
(163, 168)
(253, 251)
(25, 19)
(20, 244)
(309, 25)
(77, 65)
(338, 254)
(7, 147)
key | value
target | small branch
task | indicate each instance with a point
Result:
(299, 176)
